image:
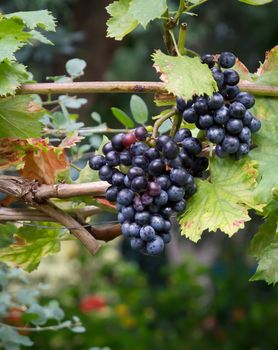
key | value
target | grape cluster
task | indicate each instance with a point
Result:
(225, 116)
(149, 183)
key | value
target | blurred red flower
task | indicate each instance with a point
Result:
(92, 303)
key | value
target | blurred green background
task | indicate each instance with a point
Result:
(196, 296)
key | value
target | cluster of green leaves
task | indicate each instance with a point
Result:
(22, 313)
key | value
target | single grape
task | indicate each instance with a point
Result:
(121, 218)
(227, 60)
(187, 159)
(243, 149)
(141, 133)
(118, 179)
(112, 158)
(205, 121)
(127, 181)
(231, 77)
(138, 148)
(255, 125)
(190, 191)
(179, 176)
(125, 158)
(146, 199)
(221, 115)
(128, 139)
(246, 99)
(105, 173)
(139, 184)
(141, 162)
(219, 151)
(152, 153)
(208, 59)
(96, 162)
(189, 183)
(237, 110)
(248, 116)
(190, 115)
(161, 199)
(134, 172)
(234, 126)
(117, 142)
(175, 193)
(230, 144)
(218, 77)
(216, 101)
(181, 104)
(201, 105)
(176, 162)
(245, 135)
(125, 196)
(161, 141)
(182, 134)
(179, 206)
(156, 167)
(107, 148)
(166, 212)
(154, 189)
(125, 228)
(147, 233)
(128, 212)
(166, 237)
(142, 218)
(134, 230)
(163, 181)
(231, 92)
(192, 145)
(137, 243)
(170, 150)
(111, 193)
(167, 225)
(156, 246)
(200, 164)
(138, 205)
(157, 222)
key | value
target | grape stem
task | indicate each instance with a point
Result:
(160, 121)
(176, 124)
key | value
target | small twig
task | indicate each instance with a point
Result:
(66, 324)
(182, 38)
(174, 42)
(176, 124)
(160, 121)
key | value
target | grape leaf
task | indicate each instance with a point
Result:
(266, 154)
(184, 76)
(267, 74)
(19, 117)
(139, 109)
(145, 11)
(121, 22)
(33, 243)
(122, 117)
(11, 76)
(223, 202)
(33, 19)
(256, 2)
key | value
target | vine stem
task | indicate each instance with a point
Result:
(160, 121)
(125, 87)
(85, 131)
(57, 327)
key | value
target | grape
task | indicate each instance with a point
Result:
(128, 139)
(216, 101)
(128, 212)
(175, 193)
(230, 144)
(118, 179)
(141, 162)
(142, 218)
(152, 153)
(166, 237)
(137, 243)
(134, 172)
(138, 205)
(156, 167)
(163, 181)
(192, 145)
(255, 125)
(170, 150)
(139, 184)
(245, 135)
(234, 126)
(107, 148)
(231, 92)
(179, 176)
(161, 141)
(134, 230)
(190, 115)
(105, 173)
(167, 225)
(121, 218)
(182, 134)
(146, 199)
(205, 121)
(125, 158)
(179, 206)
(166, 212)
(200, 164)
(201, 105)
(147, 233)
(231, 77)
(219, 151)
(157, 222)
(176, 162)
(156, 246)
(248, 116)
(221, 115)
(127, 181)
(218, 76)
(112, 158)
(154, 189)
(187, 159)
(181, 104)
(246, 99)
(117, 142)
(138, 148)
(125, 228)
(96, 162)
(141, 133)
(208, 59)
(111, 193)
(161, 199)
(237, 110)
(125, 196)
(227, 60)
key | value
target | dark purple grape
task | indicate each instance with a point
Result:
(166, 237)
(176, 162)
(255, 125)
(190, 115)
(201, 105)
(179, 176)
(205, 121)
(107, 148)
(216, 101)
(154, 189)
(146, 199)
(138, 205)
(187, 159)
(125, 196)
(181, 104)
(246, 99)
(96, 162)
(161, 141)
(141, 162)
(182, 134)
(192, 145)
(167, 225)
(141, 133)
(147, 233)
(111, 193)
(245, 135)
(170, 150)
(231, 92)
(219, 151)
(221, 115)
(125, 158)
(112, 158)
(237, 110)
(161, 199)
(231, 77)
(248, 116)
(134, 230)
(163, 181)
(125, 228)
(137, 243)
(138, 148)
(227, 60)
(105, 173)
(157, 222)
(179, 206)
(234, 126)
(127, 181)
(175, 193)
(156, 246)
(152, 153)
(218, 77)
(156, 167)
(139, 184)
(230, 144)
(142, 218)
(134, 172)
(121, 218)
(118, 179)
(117, 142)
(208, 59)
(128, 212)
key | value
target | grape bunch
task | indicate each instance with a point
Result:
(149, 182)
(225, 116)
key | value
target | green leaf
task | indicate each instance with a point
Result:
(266, 154)
(139, 109)
(256, 2)
(144, 11)
(122, 117)
(72, 102)
(6, 234)
(38, 314)
(184, 76)
(34, 244)
(11, 76)
(19, 117)
(36, 35)
(10, 338)
(121, 22)
(223, 202)
(33, 19)
(267, 73)
(87, 175)
(96, 117)
(75, 67)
